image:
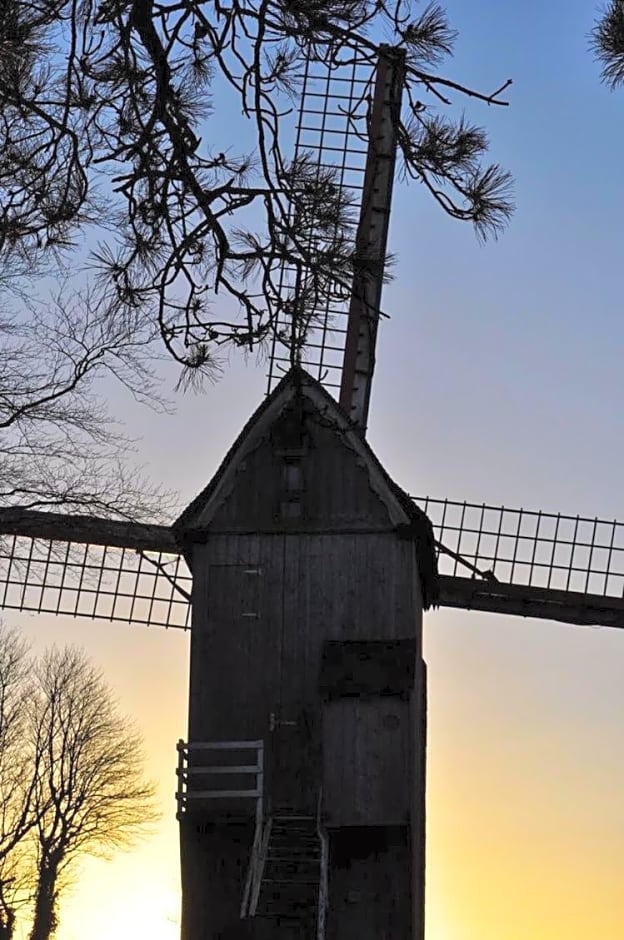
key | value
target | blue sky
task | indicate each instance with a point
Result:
(499, 379)
(516, 346)
(506, 354)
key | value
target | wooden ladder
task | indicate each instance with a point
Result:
(290, 872)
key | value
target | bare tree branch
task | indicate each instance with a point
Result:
(17, 782)
(71, 779)
(58, 444)
(120, 128)
(90, 795)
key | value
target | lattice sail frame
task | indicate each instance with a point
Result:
(563, 557)
(152, 588)
(529, 548)
(332, 128)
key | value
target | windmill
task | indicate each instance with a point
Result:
(307, 569)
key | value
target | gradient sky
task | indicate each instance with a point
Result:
(499, 379)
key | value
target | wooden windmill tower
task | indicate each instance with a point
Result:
(301, 785)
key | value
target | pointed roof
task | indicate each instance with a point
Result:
(298, 386)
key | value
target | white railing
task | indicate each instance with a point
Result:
(186, 770)
(256, 869)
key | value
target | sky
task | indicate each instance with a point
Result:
(498, 380)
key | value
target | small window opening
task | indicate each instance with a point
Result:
(292, 487)
(293, 475)
(250, 594)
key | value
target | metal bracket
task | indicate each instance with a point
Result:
(278, 723)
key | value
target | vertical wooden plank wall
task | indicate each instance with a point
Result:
(269, 594)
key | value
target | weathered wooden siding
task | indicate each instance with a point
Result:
(214, 860)
(310, 588)
(263, 607)
(344, 587)
(236, 636)
(370, 884)
(336, 489)
(418, 794)
(214, 867)
(367, 751)
(269, 592)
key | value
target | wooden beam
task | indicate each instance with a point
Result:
(372, 237)
(89, 530)
(527, 601)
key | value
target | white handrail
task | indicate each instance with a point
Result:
(259, 869)
(183, 772)
(254, 875)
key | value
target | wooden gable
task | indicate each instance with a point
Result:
(299, 465)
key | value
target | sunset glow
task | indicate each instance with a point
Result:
(500, 380)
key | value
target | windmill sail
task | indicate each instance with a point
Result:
(331, 131)
(529, 563)
(95, 568)
(493, 559)
(347, 124)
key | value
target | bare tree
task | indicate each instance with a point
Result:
(90, 793)
(71, 779)
(17, 782)
(58, 444)
(106, 118)
(608, 43)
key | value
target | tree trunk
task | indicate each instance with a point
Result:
(45, 921)
(7, 925)
(7, 915)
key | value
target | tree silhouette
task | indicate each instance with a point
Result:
(107, 118)
(90, 795)
(608, 43)
(71, 779)
(59, 446)
(17, 781)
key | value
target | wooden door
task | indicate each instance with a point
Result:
(295, 759)
(295, 738)
(236, 640)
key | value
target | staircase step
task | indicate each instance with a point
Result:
(285, 900)
(287, 905)
(294, 816)
(288, 886)
(300, 851)
(294, 838)
(298, 916)
(286, 915)
(288, 893)
(287, 848)
(290, 838)
(296, 864)
(295, 859)
(293, 821)
(288, 881)
(296, 841)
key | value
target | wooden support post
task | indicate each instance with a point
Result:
(372, 237)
